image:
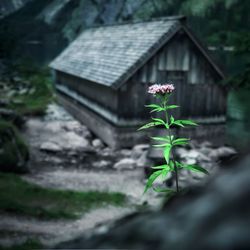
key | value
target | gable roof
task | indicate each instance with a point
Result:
(109, 55)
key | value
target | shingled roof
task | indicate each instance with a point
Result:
(109, 55)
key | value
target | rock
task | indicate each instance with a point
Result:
(50, 147)
(97, 143)
(206, 144)
(181, 152)
(138, 150)
(126, 163)
(125, 153)
(143, 161)
(212, 217)
(193, 154)
(222, 153)
(101, 164)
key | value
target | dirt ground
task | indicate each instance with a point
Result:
(65, 155)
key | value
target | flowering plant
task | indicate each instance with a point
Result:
(169, 141)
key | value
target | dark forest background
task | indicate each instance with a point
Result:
(40, 29)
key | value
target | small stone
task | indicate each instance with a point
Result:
(193, 153)
(206, 144)
(97, 143)
(101, 164)
(222, 153)
(143, 160)
(126, 163)
(181, 152)
(138, 150)
(126, 152)
(50, 147)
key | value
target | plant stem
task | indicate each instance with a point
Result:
(172, 152)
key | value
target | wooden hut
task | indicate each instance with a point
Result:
(102, 77)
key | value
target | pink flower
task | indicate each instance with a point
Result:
(161, 89)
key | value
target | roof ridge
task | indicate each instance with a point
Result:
(180, 18)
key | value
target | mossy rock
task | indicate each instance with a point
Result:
(14, 153)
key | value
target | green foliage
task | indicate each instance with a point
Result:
(167, 144)
(28, 245)
(38, 81)
(20, 197)
(13, 150)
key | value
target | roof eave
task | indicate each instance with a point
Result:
(145, 57)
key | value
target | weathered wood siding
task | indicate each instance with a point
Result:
(101, 95)
(196, 82)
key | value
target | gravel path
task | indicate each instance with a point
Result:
(63, 157)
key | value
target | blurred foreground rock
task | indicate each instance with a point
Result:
(214, 217)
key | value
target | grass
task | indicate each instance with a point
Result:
(20, 197)
(28, 245)
(11, 142)
(34, 103)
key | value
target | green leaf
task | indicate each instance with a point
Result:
(182, 123)
(180, 141)
(161, 145)
(149, 125)
(153, 106)
(172, 107)
(157, 110)
(151, 180)
(160, 166)
(178, 164)
(165, 171)
(171, 119)
(178, 123)
(196, 168)
(166, 152)
(159, 120)
(189, 122)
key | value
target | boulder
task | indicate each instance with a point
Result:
(213, 217)
(126, 163)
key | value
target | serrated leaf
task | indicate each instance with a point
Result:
(159, 120)
(153, 106)
(157, 110)
(180, 141)
(151, 180)
(182, 123)
(178, 123)
(166, 152)
(149, 125)
(172, 107)
(160, 166)
(196, 168)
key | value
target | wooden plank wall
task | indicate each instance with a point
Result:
(196, 82)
